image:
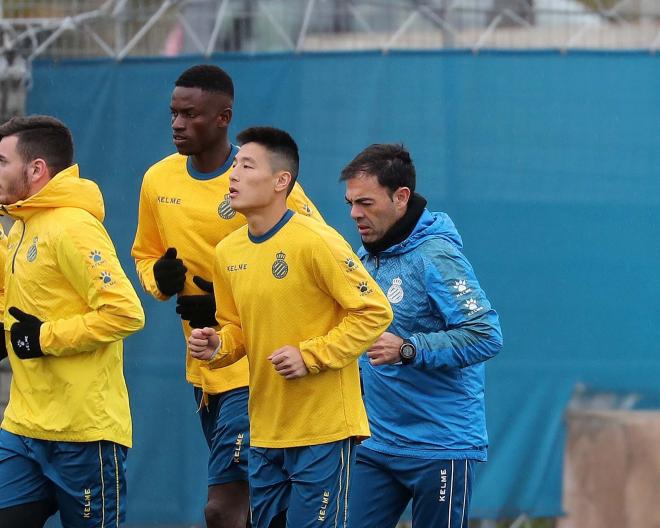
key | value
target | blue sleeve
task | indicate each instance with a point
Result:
(472, 331)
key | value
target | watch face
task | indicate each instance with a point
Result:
(407, 351)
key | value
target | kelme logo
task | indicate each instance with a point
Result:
(350, 264)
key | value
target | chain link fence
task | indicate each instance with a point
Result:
(120, 28)
(64, 29)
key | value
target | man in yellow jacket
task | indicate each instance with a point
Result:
(68, 305)
(293, 298)
(184, 212)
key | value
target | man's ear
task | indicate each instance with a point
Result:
(401, 196)
(282, 180)
(38, 171)
(224, 118)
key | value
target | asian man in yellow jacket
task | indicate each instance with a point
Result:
(293, 298)
(68, 305)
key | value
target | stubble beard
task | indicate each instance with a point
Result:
(18, 189)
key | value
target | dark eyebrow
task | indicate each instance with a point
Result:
(245, 158)
(360, 200)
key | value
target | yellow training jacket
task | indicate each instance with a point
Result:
(192, 215)
(62, 268)
(301, 285)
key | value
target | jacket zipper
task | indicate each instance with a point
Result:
(18, 246)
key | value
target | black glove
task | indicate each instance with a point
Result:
(198, 309)
(24, 334)
(170, 273)
(3, 345)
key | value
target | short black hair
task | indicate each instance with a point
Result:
(41, 136)
(389, 162)
(277, 142)
(207, 77)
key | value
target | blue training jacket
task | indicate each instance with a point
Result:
(433, 407)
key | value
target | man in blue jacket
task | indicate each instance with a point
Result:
(424, 378)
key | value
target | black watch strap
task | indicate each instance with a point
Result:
(408, 352)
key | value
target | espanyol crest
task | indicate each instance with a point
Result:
(32, 250)
(224, 209)
(280, 268)
(395, 293)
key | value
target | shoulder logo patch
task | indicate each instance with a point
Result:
(364, 288)
(106, 279)
(462, 288)
(350, 264)
(224, 209)
(307, 209)
(280, 267)
(472, 306)
(96, 257)
(32, 250)
(395, 292)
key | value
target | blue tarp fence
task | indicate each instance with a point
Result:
(549, 164)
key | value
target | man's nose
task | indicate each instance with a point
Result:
(178, 123)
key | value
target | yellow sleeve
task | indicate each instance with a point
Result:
(230, 333)
(367, 310)
(148, 246)
(3, 260)
(114, 308)
(297, 201)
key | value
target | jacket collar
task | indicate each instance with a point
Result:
(65, 189)
(401, 229)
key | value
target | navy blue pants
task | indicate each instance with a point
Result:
(85, 479)
(382, 486)
(227, 431)
(300, 487)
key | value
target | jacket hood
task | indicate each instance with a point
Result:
(430, 225)
(65, 189)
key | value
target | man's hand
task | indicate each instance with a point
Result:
(288, 362)
(170, 273)
(24, 334)
(198, 309)
(386, 350)
(203, 342)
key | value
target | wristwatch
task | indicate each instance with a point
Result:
(408, 351)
